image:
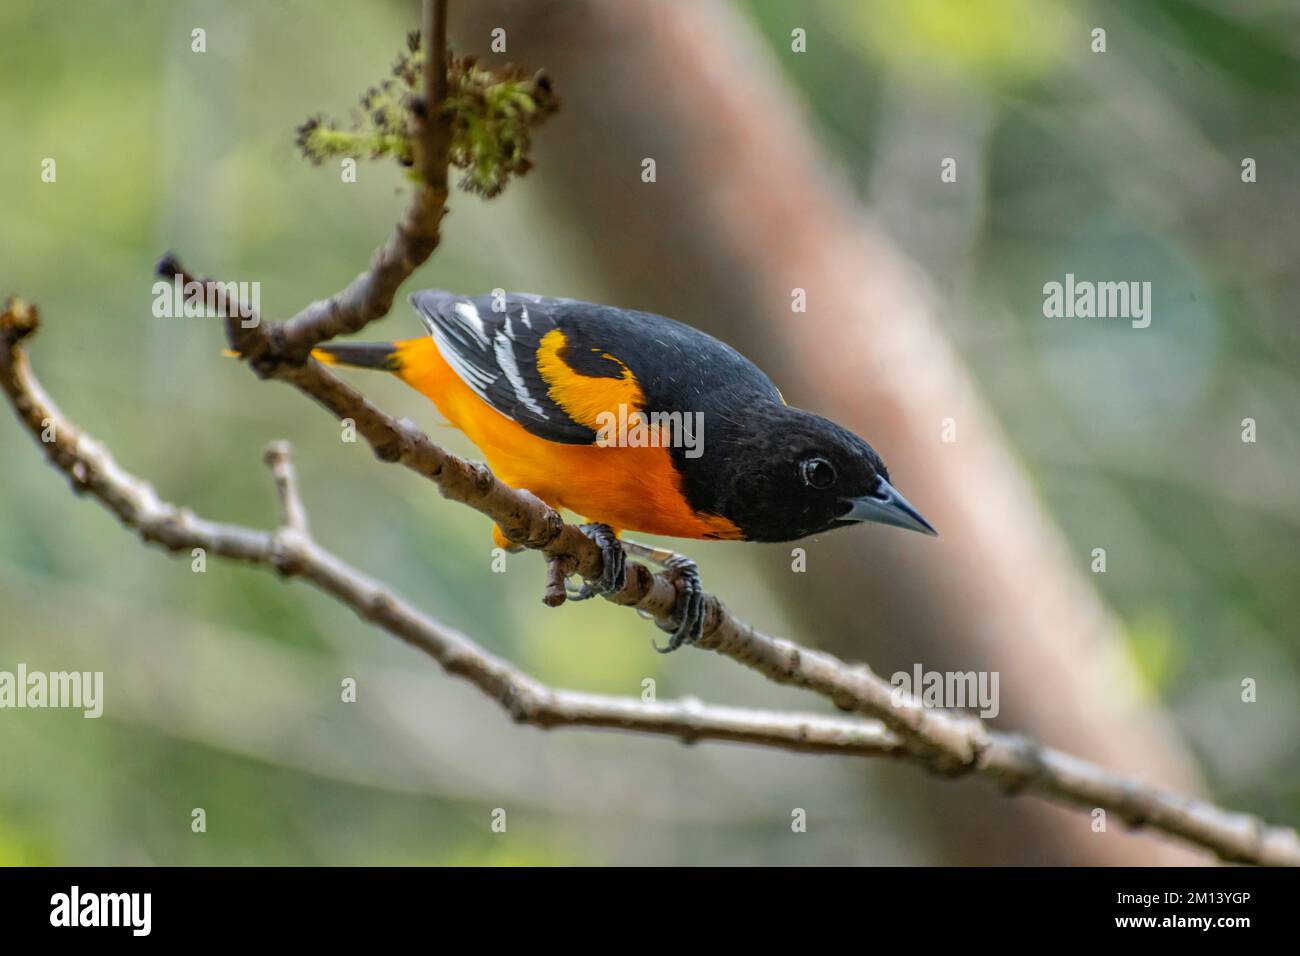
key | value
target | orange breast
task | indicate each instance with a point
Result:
(629, 489)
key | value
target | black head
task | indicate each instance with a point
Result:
(788, 473)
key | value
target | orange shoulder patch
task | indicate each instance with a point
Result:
(584, 397)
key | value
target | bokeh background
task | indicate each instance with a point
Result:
(222, 688)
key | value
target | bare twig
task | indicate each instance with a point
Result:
(556, 592)
(934, 739)
(292, 510)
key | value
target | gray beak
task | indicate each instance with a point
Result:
(887, 506)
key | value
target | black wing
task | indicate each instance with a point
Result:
(494, 351)
(492, 344)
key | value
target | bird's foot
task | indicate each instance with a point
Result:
(613, 572)
(687, 622)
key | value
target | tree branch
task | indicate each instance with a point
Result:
(932, 738)
(292, 511)
(370, 295)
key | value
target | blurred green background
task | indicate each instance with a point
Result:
(222, 688)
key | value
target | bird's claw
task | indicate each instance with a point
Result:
(687, 623)
(613, 572)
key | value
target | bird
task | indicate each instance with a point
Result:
(635, 422)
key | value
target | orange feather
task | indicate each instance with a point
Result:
(629, 489)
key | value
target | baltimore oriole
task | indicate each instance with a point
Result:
(637, 423)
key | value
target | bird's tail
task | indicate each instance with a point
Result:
(383, 356)
(414, 361)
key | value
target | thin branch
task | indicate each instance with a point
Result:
(370, 295)
(292, 511)
(433, 24)
(928, 738)
(557, 575)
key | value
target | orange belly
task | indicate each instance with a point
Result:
(629, 489)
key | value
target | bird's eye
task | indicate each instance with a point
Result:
(818, 473)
